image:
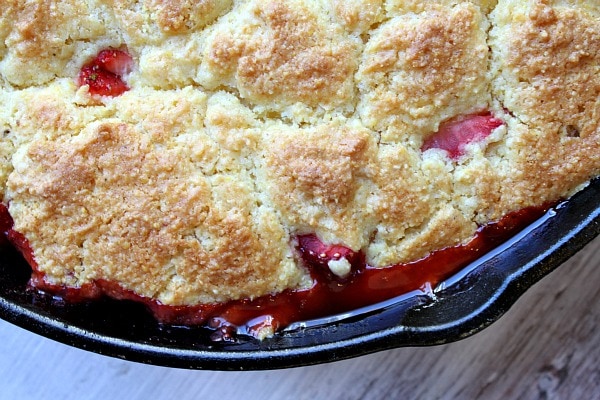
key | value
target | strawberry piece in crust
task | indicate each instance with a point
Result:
(454, 135)
(104, 74)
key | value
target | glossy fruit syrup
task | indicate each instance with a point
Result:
(329, 295)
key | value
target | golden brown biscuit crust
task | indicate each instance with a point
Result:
(282, 52)
(419, 70)
(248, 123)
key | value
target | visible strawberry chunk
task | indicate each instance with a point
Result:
(116, 61)
(102, 82)
(104, 74)
(454, 135)
(316, 253)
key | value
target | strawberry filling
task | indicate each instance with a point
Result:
(104, 74)
(453, 136)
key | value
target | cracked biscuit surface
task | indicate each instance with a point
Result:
(249, 123)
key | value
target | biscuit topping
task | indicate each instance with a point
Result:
(104, 74)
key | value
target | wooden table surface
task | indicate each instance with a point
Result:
(546, 347)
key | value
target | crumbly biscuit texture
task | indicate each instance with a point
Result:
(418, 70)
(247, 124)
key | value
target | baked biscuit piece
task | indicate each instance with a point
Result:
(41, 38)
(546, 64)
(279, 53)
(321, 180)
(386, 129)
(165, 37)
(420, 69)
(164, 213)
(414, 212)
(32, 112)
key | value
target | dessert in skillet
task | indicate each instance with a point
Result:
(198, 154)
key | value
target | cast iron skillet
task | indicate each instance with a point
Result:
(461, 306)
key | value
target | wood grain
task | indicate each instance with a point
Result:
(546, 347)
